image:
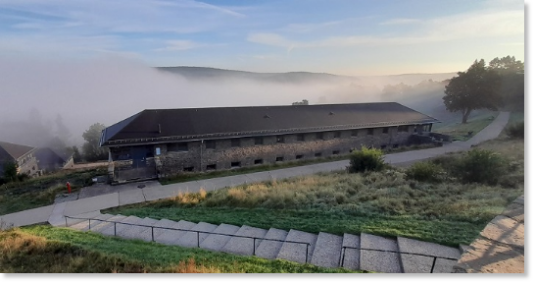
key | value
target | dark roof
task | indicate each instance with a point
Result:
(13, 151)
(47, 158)
(157, 125)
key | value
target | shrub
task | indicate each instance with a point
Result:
(482, 166)
(516, 130)
(426, 171)
(367, 159)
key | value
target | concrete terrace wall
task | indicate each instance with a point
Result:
(198, 157)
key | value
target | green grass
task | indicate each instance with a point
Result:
(41, 191)
(340, 203)
(247, 170)
(459, 131)
(140, 255)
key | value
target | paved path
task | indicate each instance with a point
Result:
(103, 197)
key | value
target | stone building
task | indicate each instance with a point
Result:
(23, 155)
(162, 142)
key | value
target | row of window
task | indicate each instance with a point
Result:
(211, 144)
(257, 161)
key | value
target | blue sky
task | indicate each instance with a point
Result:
(348, 37)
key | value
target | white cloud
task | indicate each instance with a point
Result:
(463, 26)
(400, 21)
(310, 27)
(174, 45)
(178, 45)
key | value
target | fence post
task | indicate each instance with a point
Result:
(198, 243)
(254, 246)
(66, 221)
(306, 256)
(114, 228)
(433, 266)
(89, 224)
(152, 231)
(342, 256)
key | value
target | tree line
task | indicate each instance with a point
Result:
(498, 85)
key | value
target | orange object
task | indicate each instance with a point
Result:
(68, 187)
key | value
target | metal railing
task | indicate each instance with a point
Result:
(343, 252)
(340, 261)
(186, 230)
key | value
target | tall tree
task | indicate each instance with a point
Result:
(512, 73)
(92, 150)
(477, 88)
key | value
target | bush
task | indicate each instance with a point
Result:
(367, 159)
(482, 166)
(516, 130)
(426, 171)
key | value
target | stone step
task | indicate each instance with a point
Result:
(327, 251)
(141, 232)
(83, 217)
(351, 257)
(191, 239)
(270, 249)
(85, 224)
(110, 228)
(95, 225)
(163, 223)
(244, 246)
(126, 226)
(424, 264)
(217, 242)
(379, 261)
(171, 236)
(295, 251)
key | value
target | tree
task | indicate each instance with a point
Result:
(303, 102)
(10, 171)
(92, 149)
(76, 156)
(511, 72)
(477, 88)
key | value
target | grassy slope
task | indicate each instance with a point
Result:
(459, 131)
(450, 213)
(41, 191)
(48, 249)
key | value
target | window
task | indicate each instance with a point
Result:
(121, 154)
(370, 131)
(259, 140)
(188, 169)
(298, 157)
(319, 136)
(403, 128)
(317, 154)
(210, 144)
(280, 139)
(354, 133)
(337, 134)
(211, 167)
(235, 164)
(385, 130)
(336, 152)
(258, 161)
(300, 137)
(279, 159)
(235, 142)
(177, 147)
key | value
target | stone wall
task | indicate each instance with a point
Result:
(28, 164)
(225, 156)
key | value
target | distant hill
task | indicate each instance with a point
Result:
(203, 73)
